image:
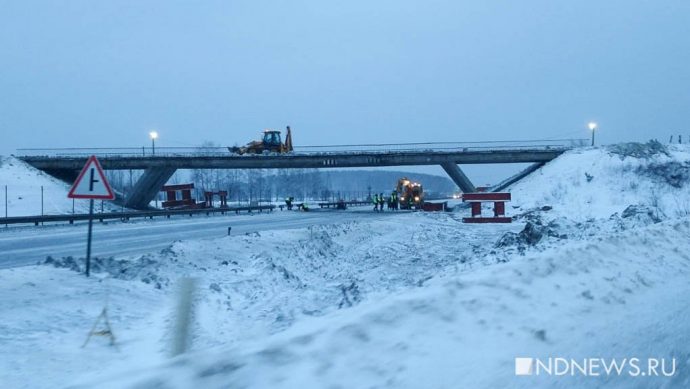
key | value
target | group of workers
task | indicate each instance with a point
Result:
(379, 199)
(302, 207)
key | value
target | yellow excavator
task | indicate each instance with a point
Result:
(270, 143)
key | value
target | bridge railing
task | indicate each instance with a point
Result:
(446, 146)
(310, 150)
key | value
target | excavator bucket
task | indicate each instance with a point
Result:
(288, 140)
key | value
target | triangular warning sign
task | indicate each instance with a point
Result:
(91, 183)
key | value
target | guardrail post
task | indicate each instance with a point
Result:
(88, 242)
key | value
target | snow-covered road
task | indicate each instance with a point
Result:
(27, 246)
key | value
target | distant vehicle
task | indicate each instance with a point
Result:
(270, 143)
(411, 194)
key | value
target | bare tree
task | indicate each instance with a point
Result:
(233, 181)
(206, 179)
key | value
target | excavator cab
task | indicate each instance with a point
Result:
(272, 139)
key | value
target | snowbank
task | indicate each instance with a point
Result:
(24, 191)
(620, 296)
(595, 183)
(250, 287)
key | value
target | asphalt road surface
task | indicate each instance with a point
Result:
(22, 246)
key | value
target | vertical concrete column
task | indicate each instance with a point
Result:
(148, 186)
(459, 177)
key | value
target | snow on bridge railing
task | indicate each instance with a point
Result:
(310, 150)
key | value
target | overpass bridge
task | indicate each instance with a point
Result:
(159, 167)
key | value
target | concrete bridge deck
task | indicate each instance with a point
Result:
(312, 160)
(159, 168)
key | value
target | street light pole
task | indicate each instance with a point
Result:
(592, 126)
(153, 135)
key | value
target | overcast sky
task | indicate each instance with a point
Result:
(105, 73)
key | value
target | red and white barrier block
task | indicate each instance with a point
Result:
(476, 200)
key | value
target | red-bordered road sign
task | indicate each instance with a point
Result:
(91, 183)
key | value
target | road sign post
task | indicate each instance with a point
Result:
(91, 184)
(88, 240)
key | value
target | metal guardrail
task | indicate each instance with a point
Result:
(347, 203)
(71, 218)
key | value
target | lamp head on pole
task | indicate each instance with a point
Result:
(592, 126)
(153, 134)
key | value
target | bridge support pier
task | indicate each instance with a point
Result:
(459, 177)
(148, 186)
(517, 177)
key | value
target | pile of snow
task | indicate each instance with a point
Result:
(250, 287)
(620, 296)
(24, 187)
(596, 183)
(589, 192)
